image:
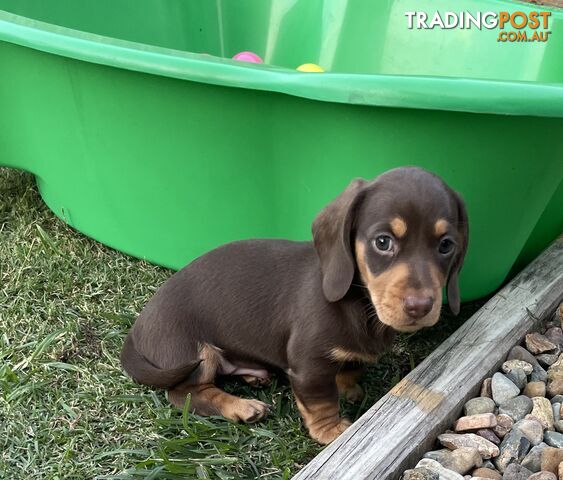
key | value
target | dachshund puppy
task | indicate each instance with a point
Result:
(381, 253)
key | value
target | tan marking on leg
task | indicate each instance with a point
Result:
(440, 227)
(322, 420)
(398, 227)
(347, 383)
(207, 399)
(211, 357)
(343, 355)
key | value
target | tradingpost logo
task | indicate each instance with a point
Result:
(511, 25)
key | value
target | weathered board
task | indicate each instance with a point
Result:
(393, 434)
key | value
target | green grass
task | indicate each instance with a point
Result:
(67, 410)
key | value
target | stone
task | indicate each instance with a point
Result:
(560, 471)
(421, 474)
(517, 377)
(510, 365)
(488, 435)
(542, 476)
(503, 389)
(555, 335)
(532, 461)
(546, 359)
(556, 408)
(516, 408)
(537, 343)
(520, 353)
(558, 424)
(457, 440)
(513, 448)
(438, 455)
(486, 473)
(555, 385)
(534, 389)
(532, 430)
(550, 459)
(516, 472)
(488, 464)
(486, 388)
(557, 399)
(478, 405)
(461, 460)
(504, 425)
(558, 315)
(434, 466)
(543, 412)
(553, 439)
(475, 422)
(538, 375)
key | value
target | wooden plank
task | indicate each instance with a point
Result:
(393, 434)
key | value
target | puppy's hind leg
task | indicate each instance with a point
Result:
(207, 399)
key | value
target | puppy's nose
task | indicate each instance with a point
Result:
(418, 307)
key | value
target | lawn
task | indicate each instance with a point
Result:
(66, 408)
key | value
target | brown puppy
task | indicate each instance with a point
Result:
(382, 252)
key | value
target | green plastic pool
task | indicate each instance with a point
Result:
(164, 153)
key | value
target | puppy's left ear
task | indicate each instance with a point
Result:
(453, 281)
(331, 236)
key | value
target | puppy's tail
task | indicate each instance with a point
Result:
(143, 371)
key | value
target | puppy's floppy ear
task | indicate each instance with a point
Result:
(331, 236)
(453, 282)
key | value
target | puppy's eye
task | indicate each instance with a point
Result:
(446, 246)
(383, 243)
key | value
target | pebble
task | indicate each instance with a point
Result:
(534, 389)
(434, 466)
(557, 399)
(504, 425)
(460, 460)
(457, 440)
(486, 473)
(543, 412)
(475, 422)
(438, 455)
(516, 408)
(555, 378)
(550, 459)
(510, 365)
(518, 377)
(486, 388)
(558, 426)
(520, 353)
(547, 359)
(488, 435)
(516, 472)
(478, 405)
(555, 335)
(532, 461)
(512, 449)
(532, 430)
(537, 343)
(560, 470)
(542, 476)
(553, 439)
(421, 474)
(503, 389)
(556, 408)
(538, 375)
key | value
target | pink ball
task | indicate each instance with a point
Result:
(248, 57)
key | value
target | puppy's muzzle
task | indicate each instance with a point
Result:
(417, 306)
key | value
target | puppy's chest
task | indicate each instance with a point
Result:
(343, 354)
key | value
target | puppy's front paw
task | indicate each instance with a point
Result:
(353, 394)
(327, 433)
(247, 410)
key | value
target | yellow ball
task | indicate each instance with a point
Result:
(310, 67)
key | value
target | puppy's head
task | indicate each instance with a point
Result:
(405, 235)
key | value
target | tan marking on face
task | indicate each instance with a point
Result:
(342, 355)
(398, 227)
(424, 398)
(389, 289)
(440, 227)
(322, 419)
